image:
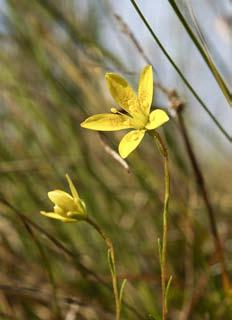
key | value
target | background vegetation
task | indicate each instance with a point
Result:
(53, 58)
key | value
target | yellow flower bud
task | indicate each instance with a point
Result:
(67, 208)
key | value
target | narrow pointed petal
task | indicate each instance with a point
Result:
(130, 142)
(156, 119)
(56, 216)
(122, 93)
(72, 187)
(145, 90)
(107, 122)
(62, 199)
(82, 207)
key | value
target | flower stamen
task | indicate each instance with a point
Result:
(116, 111)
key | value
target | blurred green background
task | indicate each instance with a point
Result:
(53, 58)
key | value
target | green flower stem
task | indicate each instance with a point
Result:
(163, 254)
(111, 260)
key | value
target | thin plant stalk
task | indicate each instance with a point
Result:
(204, 53)
(200, 181)
(163, 249)
(111, 260)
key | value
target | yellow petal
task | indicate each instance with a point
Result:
(107, 122)
(145, 90)
(62, 199)
(122, 93)
(59, 210)
(56, 216)
(72, 187)
(156, 119)
(129, 142)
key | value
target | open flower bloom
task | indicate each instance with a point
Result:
(67, 208)
(137, 107)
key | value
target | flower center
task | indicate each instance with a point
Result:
(139, 120)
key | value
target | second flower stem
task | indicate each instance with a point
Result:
(111, 260)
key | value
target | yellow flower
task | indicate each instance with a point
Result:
(67, 208)
(137, 107)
